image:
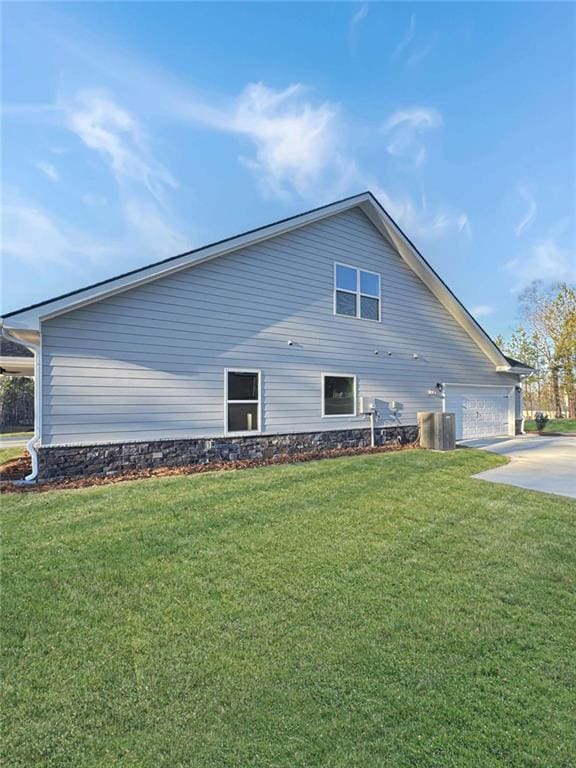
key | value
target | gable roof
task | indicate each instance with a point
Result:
(29, 318)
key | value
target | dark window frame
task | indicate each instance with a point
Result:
(354, 412)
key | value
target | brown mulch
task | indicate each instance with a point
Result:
(16, 469)
(20, 467)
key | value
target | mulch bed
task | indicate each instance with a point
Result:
(18, 468)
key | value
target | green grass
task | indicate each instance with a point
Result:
(554, 425)
(10, 453)
(383, 610)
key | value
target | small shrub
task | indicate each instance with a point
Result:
(541, 420)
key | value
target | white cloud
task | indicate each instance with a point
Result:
(151, 231)
(545, 260)
(530, 213)
(31, 234)
(296, 145)
(418, 220)
(418, 56)
(482, 310)
(407, 39)
(145, 226)
(355, 22)
(115, 134)
(294, 140)
(300, 148)
(407, 46)
(360, 14)
(404, 127)
(107, 128)
(48, 170)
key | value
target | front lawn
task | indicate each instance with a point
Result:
(554, 425)
(381, 610)
(10, 453)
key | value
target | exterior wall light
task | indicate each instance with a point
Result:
(437, 390)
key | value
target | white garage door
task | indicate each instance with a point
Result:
(481, 411)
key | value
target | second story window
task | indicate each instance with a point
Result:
(356, 293)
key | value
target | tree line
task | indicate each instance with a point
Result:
(545, 339)
(16, 401)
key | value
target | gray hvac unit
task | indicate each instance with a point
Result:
(437, 430)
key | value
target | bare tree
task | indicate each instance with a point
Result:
(550, 323)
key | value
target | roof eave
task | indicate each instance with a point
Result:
(520, 370)
(30, 318)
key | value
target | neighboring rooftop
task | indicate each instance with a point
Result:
(516, 363)
(11, 349)
(15, 360)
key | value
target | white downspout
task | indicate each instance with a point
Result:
(31, 445)
(521, 403)
(373, 428)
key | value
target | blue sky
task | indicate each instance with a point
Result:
(135, 131)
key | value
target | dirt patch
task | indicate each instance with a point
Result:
(18, 468)
(15, 469)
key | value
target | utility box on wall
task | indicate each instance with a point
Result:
(437, 430)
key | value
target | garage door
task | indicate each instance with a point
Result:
(481, 411)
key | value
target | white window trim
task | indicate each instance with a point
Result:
(338, 415)
(242, 433)
(358, 293)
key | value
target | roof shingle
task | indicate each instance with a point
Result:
(11, 349)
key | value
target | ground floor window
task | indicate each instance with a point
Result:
(338, 395)
(242, 392)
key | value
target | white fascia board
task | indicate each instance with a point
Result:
(515, 369)
(21, 334)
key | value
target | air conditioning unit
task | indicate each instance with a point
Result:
(437, 430)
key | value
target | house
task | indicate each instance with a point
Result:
(274, 340)
(15, 360)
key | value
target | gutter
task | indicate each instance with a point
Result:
(31, 342)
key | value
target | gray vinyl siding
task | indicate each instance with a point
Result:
(149, 363)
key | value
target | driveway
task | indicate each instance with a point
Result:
(538, 463)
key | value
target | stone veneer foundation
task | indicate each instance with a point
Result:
(72, 461)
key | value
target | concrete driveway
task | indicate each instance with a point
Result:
(538, 463)
(13, 442)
